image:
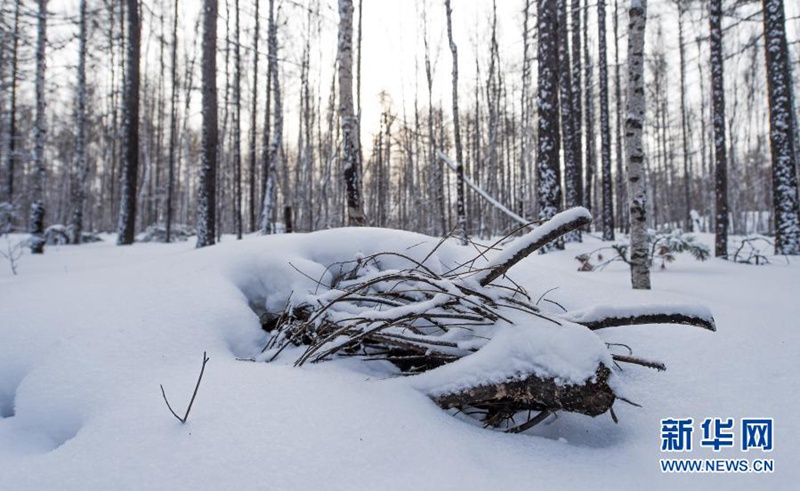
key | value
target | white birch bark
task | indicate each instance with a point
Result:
(634, 152)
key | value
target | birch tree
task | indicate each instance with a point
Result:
(39, 134)
(622, 188)
(460, 209)
(351, 145)
(11, 151)
(274, 149)
(605, 128)
(634, 151)
(782, 130)
(206, 192)
(251, 190)
(79, 186)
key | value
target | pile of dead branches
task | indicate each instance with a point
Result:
(420, 319)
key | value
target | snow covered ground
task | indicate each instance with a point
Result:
(88, 333)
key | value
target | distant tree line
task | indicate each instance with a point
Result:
(698, 132)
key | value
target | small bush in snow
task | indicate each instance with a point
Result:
(663, 248)
(158, 233)
(56, 235)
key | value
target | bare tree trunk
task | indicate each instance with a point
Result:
(460, 211)
(351, 146)
(39, 134)
(782, 130)
(493, 168)
(79, 189)
(720, 150)
(274, 153)
(687, 165)
(640, 261)
(130, 171)
(306, 151)
(237, 127)
(266, 220)
(359, 34)
(206, 195)
(577, 103)
(253, 117)
(547, 158)
(526, 144)
(605, 128)
(590, 162)
(173, 122)
(12, 116)
(572, 175)
(622, 189)
(435, 187)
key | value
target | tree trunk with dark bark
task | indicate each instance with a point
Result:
(206, 196)
(547, 158)
(718, 120)
(782, 130)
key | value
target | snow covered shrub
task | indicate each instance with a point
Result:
(12, 250)
(56, 235)
(663, 248)
(158, 233)
(8, 213)
(474, 340)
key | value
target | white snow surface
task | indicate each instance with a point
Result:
(88, 333)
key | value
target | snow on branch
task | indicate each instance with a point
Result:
(560, 224)
(602, 317)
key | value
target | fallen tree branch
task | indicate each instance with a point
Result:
(639, 361)
(560, 224)
(629, 317)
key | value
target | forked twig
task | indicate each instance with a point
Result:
(197, 386)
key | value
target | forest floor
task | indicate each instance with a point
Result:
(88, 333)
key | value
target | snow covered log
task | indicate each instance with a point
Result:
(602, 317)
(534, 393)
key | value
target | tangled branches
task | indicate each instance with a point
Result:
(392, 307)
